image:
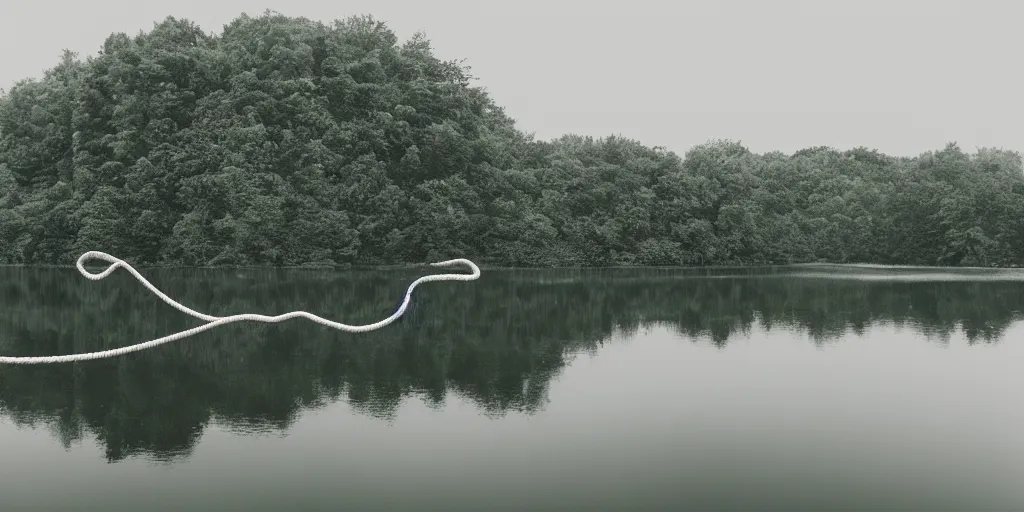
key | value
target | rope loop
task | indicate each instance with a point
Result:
(214, 321)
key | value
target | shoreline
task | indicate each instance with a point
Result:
(410, 266)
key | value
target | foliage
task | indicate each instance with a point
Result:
(283, 141)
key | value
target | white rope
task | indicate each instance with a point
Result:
(214, 321)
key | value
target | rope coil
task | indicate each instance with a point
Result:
(214, 321)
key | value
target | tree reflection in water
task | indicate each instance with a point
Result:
(498, 342)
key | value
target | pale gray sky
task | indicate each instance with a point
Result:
(901, 76)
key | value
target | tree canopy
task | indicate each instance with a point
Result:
(284, 141)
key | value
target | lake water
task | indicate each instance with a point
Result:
(802, 388)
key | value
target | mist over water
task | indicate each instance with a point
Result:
(787, 388)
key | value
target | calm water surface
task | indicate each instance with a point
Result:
(805, 388)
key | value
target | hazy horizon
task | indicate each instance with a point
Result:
(900, 77)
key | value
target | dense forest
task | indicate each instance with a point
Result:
(283, 141)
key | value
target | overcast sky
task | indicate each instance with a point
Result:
(901, 76)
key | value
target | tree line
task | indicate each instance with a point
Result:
(287, 142)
